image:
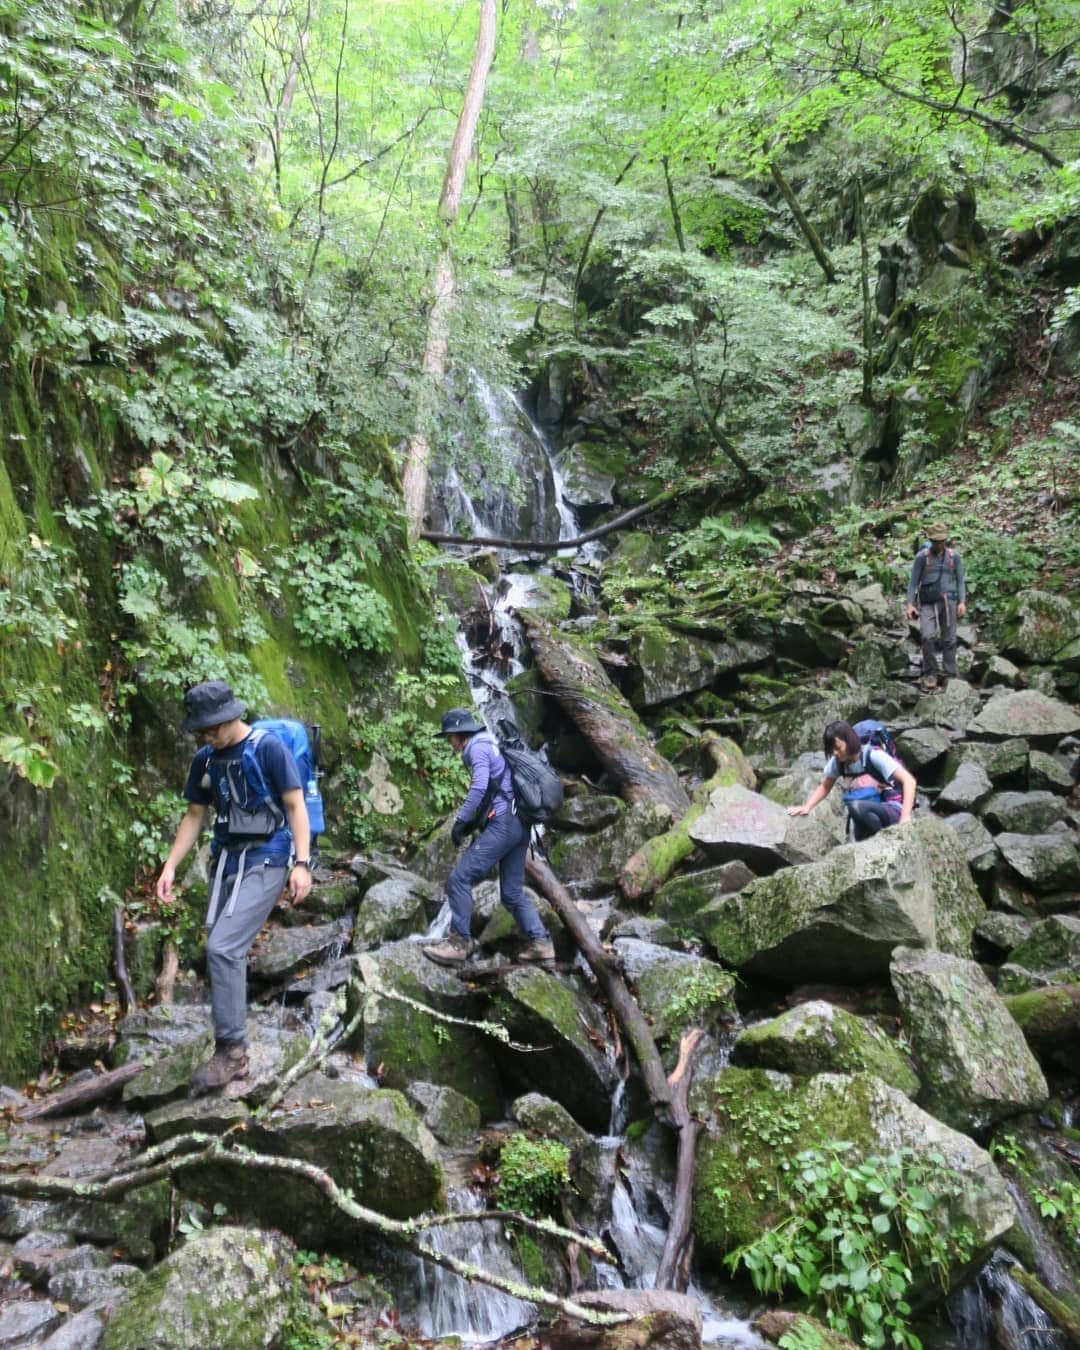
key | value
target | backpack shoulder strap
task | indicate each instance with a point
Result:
(253, 769)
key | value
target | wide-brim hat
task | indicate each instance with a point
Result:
(937, 532)
(459, 720)
(209, 704)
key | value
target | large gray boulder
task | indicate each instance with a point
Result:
(967, 787)
(230, 1288)
(390, 910)
(405, 1044)
(1023, 812)
(978, 845)
(1027, 713)
(841, 917)
(1005, 763)
(740, 1186)
(666, 665)
(1043, 862)
(368, 1139)
(676, 990)
(954, 706)
(741, 825)
(682, 899)
(818, 1037)
(593, 861)
(1037, 626)
(284, 951)
(975, 1063)
(568, 1059)
(922, 748)
(1050, 954)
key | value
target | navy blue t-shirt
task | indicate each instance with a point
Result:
(214, 773)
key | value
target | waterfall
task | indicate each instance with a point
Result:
(992, 1312)
(451, 1306)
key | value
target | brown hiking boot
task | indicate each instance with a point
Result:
(450, 952)
(223, 1067)
(537, 949)
(928, 683)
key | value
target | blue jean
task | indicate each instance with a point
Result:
(503, 840)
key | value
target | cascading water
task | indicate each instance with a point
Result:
(992, 1312)
(633, 1226)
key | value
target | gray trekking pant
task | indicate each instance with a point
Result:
(237, 912)
(937, 629)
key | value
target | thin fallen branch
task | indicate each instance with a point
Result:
(673, 1271)
(553, 546)
(74, 1098)
(123, 979)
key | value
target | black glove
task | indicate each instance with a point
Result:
(459, 830)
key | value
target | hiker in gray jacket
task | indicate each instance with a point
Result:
(937, 597)
(501, 839)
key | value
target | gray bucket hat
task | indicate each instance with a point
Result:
(459, 720)
(209, 704)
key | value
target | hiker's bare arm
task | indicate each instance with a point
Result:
(907, 786)
(818, 795)
(299, 877)
(187, 836)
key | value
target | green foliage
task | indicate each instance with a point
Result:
(30, 760)
(697, 995)
(860, 1232)
(532, 1174)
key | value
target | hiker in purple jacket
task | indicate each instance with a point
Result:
(501, 838)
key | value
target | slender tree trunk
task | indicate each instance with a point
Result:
(418, 453)
(867, 312)
(803, 221)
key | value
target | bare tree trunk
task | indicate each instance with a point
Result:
(123, 980)
(418, 453)
(867, 312)
(673, 1271)
(170, 965)
(611, 727)
(817, 248)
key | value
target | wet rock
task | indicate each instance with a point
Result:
(645, 928)
(536, 1112)
(677, 991)
(975, 1064)
(747, 826)
(368, 1139)
(593, 861)
(587, 812)
(1037, 625)
(1047, 773)
(100, 1286)
(1023, 812)
(212, 1114)
(84, 1331)
(969, 786)
(152, 1033)
(1026, 713)
(1049, 955)
(1003, 931)
(1043, 862)
(405, 1044)
(451, 1118)
(662, 1319)
(1005, 763)
(922, 748)
(229, 1288)
(801, 1330)
(390, 910)
(27, 1322)
(571, 1063)
(285, 951)
(322, 979)
(587, 476)
(842, 916)
(818, 1037)
(737, 1181)
(684, 898)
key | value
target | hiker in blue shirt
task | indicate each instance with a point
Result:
(878, 790)
(259, 846)
(502, 839)
(937, 597)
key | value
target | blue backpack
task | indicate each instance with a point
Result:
(307, 753)
(874, 735)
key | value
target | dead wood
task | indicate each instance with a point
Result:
(74, 1098)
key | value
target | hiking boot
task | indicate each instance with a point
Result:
(450, 952)
(223, 1067)
(928, 683)
(537, 949)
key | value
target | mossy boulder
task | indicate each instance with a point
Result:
(757, 1120)
(406, 1044)
(737, 824)
(1005, 763)
(684, 901)
(569, 1061)
(975, 1064)
(677, 991)
(589, 470)
(391, 909)
(841, 917)
(967, 787)
(1028, 713)
(818, 1037)
(1049, 955)
(1037, 626)
(369, 1140)
(1023, 812)
(667, 665)
(451, 1118)
(547, 596)
(230, 1288)
(1042, 862)
(586, 813)
(593, 861)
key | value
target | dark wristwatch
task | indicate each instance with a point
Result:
(302, 862)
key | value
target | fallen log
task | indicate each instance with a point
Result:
(84, 1094)
(645, 871)
(613, 730)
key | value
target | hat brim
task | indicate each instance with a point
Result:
(228, 713)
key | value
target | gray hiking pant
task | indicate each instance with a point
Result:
(937, 629)
(237, 912)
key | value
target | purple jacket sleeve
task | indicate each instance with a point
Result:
(481, 758)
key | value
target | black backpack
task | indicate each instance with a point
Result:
(538, 791)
